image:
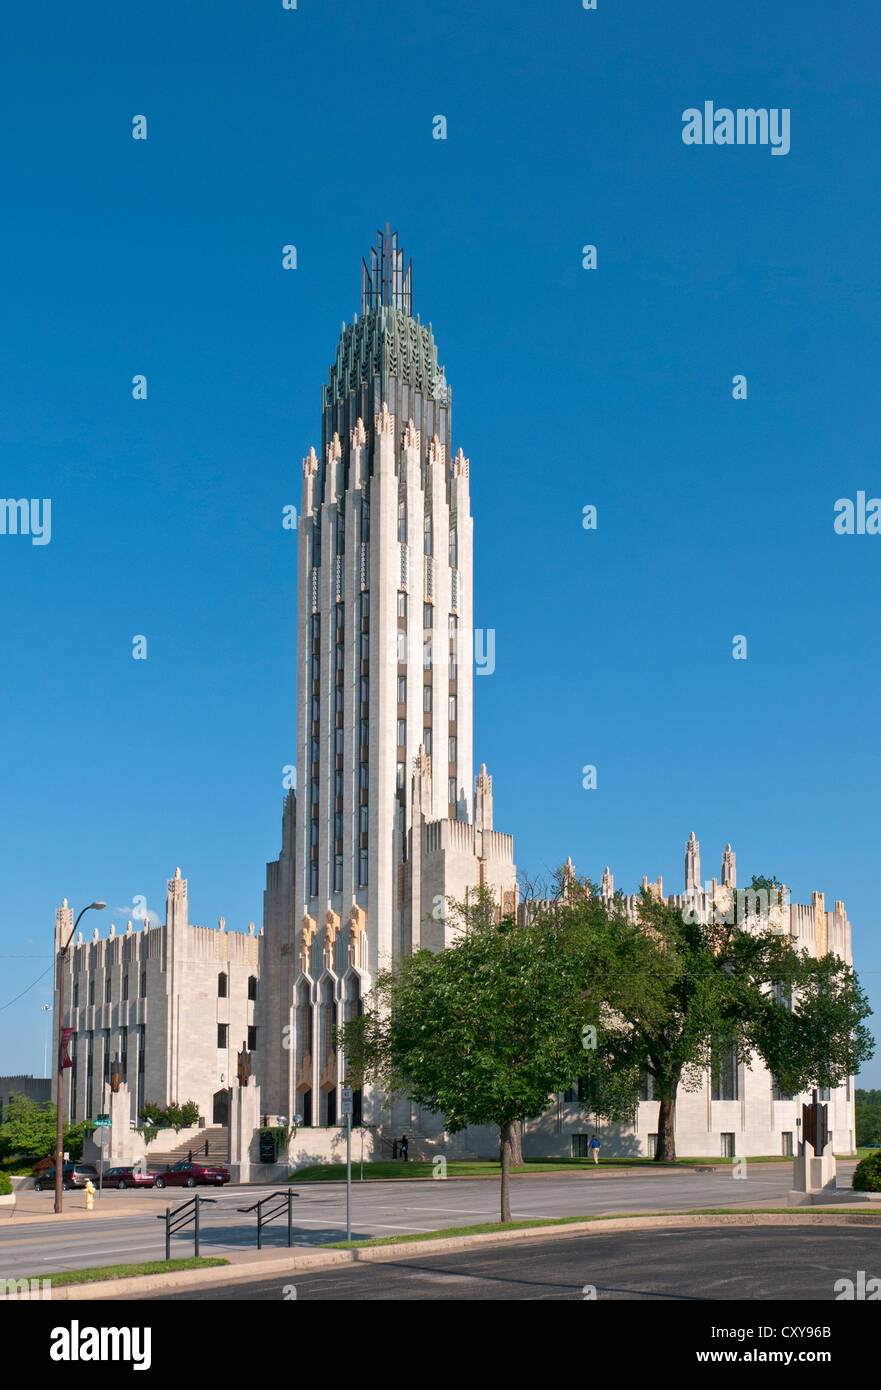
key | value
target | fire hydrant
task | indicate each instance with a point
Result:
(90, 1195)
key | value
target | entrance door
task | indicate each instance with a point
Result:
(220, 1111)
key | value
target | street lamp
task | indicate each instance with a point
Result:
(59, 1125)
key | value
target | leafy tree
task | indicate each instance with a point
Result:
(677, 990)
(29, 1129)
(483, 1030)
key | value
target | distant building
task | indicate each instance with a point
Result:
(34, 1087)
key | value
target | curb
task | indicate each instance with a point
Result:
(308, 1263)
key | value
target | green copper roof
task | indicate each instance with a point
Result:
(386, 342)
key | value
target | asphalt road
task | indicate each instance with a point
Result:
(378, 1209)
(746, 1262)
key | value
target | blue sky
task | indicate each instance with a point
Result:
(611, 387)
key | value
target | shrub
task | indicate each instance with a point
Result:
(5, 1185)
(867, 1175)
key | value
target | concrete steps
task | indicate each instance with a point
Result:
(217, 1139)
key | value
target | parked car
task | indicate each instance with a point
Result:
(185, 1174)
(128, 1177)
(72, 1175)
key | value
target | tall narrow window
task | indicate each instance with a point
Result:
(402, 690)
(362, 869)
(338, 873)
(402, 522)
(222, 983)
(426, 532)
(313, 878)
(452, 750)
(426, 699)
(402, 603)
(453, 548)
(402, 732)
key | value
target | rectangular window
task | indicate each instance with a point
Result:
(338, 825)
(125, 986)
(362, 869)
(452, 750)
(316, 750)
(91, 991)
(426, 739)
(402, 647)
(339, 656)
(252, 1038)
(724, 1074)
(107, 990)
(651, 1145)
(338, 742)
(313, 834)
(365, 732)
(316, 627)
(338, 781)
(786, 1143)
(402, 603)
(453, 548)
(402, 732)
(579, 1146)
(313, 878)
(338, 873)
(364, 819)
(365, 646)
(428, 616)
(314, 791)
(76, 994)
(143, 984)
(402, 690)
(426, 653)
(452, 791)
(452, 709)
(222, 1031)
(363, 777)
(400, 777)
(252, 986)
(365, 604)
(365, 690)
(316, 709)
(426, 698)
(340, 617)
(727, 1145)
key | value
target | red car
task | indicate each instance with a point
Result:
(128, 1177)
(186, 1174)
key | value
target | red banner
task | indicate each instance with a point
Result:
(66, 1035)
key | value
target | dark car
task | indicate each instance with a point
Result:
(128, 1177)
(72, 1175)
(187, 1174)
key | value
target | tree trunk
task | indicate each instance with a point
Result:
(514, 1144)
(505, 1147)
(665, 1150)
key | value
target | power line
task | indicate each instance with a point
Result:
(30, 986)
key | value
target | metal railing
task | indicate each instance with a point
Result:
(175, 1220)
(285, 1201)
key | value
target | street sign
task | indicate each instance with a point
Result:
(346, 1103)
(102, 1138)
(102, 1122)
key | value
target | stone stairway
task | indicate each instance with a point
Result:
(217, 1139)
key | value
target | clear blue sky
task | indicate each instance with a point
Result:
(611, 387)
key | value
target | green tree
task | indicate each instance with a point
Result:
(29, 1129)
(483, 1030)
(678, 990)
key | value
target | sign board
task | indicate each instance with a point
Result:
(346, 1104)
(102, 1137)
(102, 1122)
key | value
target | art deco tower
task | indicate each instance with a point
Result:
(384, 682)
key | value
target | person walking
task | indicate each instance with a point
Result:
(404, 1147)
(594, 1147)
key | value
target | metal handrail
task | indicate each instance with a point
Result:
(285, 1199)
(173, 1225)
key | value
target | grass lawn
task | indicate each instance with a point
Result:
(334, 1172)
(99, 1272)
(493, 1226)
